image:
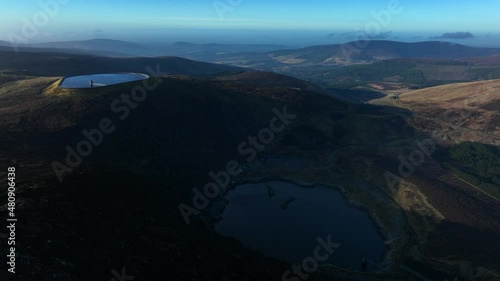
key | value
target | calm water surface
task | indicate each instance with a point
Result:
(258, 215)
(83, 81)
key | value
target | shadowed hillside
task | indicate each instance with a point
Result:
(59, 64)
(119, 206)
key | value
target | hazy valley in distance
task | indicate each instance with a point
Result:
(249, 140)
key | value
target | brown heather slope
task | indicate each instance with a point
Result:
(470, 110)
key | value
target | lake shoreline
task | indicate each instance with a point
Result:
(217, 209)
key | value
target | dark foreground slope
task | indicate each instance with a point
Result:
(118, 207)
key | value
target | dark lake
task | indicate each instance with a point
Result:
(258, 216)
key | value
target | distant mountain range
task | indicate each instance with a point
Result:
(348, 65)
(63, 64)
(98, 47)
(117, 48)
(356, 52)
(323, 54)
(378, 50)
(103, 47)
(356, 63)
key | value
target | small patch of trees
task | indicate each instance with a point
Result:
(476, 163)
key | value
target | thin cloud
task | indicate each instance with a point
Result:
(382, 35)
(96, 32)
(454, 35)
(189, 19)
(361, 35)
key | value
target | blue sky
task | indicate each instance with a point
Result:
(147, 19)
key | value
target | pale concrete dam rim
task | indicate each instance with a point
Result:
(100, 80)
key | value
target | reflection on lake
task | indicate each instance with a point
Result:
(284, 220)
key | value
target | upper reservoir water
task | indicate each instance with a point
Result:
(99, 80)
(284, 221)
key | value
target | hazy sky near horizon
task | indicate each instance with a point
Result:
(338, 20)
